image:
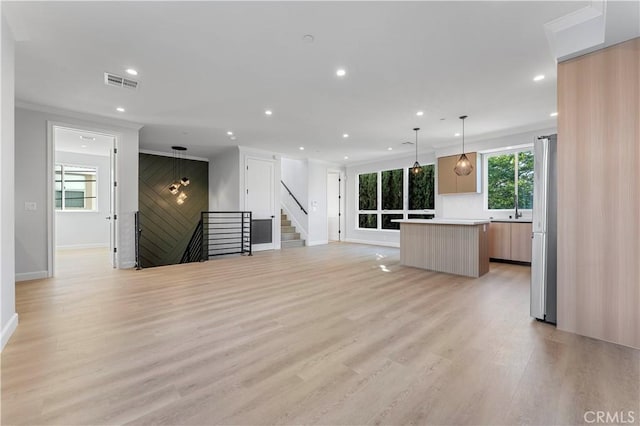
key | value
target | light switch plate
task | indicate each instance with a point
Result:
(30, 206)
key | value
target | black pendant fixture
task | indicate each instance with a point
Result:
(463, 166)
(416, 166)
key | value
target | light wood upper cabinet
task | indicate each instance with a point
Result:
(447, 182)
(521, 242)
(510, 241)
(450, 183)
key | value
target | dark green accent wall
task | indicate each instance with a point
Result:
(167, 226)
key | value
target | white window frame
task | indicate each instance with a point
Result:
(485, 161)
(405, 212)
(62, 208)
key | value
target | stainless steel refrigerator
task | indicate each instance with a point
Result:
(544, 249)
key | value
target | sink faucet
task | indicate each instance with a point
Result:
(518, 214)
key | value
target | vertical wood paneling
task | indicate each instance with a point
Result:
(599, 194)
(455, 249)
(166, 225)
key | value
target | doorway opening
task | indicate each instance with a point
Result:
(335, 206)
(83, 199)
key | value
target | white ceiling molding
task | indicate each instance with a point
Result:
(577, 31)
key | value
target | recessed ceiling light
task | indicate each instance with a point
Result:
(456, 134)
(308, 38)
(553, 114)
(268, 112)
(131, 71)
(346, 157)
(420, 113)
(233, 138)
(83, 146)
(538, 77)
(389, 149)
(345, 135)
(230, 133)
(120, 109)
(302, 148)
(341, 72)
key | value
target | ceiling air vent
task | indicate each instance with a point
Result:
(118, 81)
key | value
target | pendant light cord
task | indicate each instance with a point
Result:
(463, 117)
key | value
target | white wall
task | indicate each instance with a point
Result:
(295, 176)
(450, 206)
(32, 147)
(77, 229)
(8, 316)
(224, 181)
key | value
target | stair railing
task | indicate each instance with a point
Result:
(225, 233)
(294, 197)
(193, 252)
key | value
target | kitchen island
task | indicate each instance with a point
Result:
(454, 246)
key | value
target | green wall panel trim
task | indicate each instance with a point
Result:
(166, 225)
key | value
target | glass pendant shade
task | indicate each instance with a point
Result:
(174, 188)
(463, 166)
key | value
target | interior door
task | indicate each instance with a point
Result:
(260, 201)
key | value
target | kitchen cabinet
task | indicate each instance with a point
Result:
(510, 241)
(450, 183)
(500, 240)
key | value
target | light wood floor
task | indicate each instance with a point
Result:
(336, 334)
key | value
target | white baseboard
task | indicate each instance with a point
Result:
(8, 330)
(82, 246)
(127, 265)
(317, 243)
(28, 276)
(373, 243)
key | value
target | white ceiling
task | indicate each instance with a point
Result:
(209, 67)
(80, 141)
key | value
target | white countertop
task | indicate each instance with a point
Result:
(443, 221)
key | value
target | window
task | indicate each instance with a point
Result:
(76, 188)
(392, 190)
(510, 175)
(368, 200)
(395, 194)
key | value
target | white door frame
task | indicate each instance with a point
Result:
(272, 245)
(51, 210)
(341, 203)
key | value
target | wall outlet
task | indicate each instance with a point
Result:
(30, 206)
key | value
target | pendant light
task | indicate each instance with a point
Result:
(416, 166)
(174, 188)
(463, 166)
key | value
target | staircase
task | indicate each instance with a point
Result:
(288, 235)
